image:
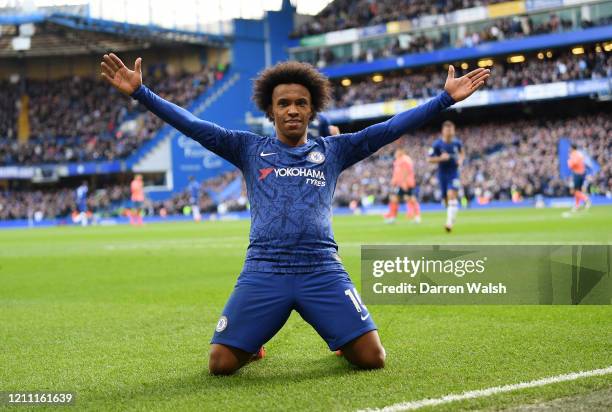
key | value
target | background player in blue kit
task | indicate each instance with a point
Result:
(322, 127)
(194, 198)
(292, 261)
(448, 153)
(80, 196)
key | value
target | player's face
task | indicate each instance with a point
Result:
(291, 110)
(448, 131)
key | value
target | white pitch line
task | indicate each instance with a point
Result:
(481, 393)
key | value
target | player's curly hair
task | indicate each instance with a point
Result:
(291, 72)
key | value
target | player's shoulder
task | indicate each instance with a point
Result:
(249, 135)
(249, 139)
(335, 145)
(437, 142)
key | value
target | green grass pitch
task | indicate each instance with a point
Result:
(123, 316)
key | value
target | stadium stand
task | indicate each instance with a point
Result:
(502, 29)
(370, 31)
(346, 14)
(428, 82)
(78, 119)
(501, 158)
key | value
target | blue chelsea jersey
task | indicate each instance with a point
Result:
(453, 148)
(290, 189)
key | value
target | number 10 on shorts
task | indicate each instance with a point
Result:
(356, 299)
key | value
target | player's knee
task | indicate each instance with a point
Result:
(372, 358)
(376, 357)
(221, 364)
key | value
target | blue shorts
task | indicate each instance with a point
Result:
(262, 302)
(82, 207)
(578, 181)
(449, 182)
(136, 204)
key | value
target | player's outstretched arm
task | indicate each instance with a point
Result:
(455, 90)
(371, 139)
(213, 137)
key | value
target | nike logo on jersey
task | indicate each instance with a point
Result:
(262, 154)
(365, 317)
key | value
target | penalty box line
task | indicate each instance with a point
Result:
(481, 393)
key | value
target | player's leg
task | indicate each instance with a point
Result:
(258, 307)
(365, 351)
(417, 209)
(444, 190)
(414, 205)
(581, 190)
(83, 215)
(452, 190)
(225, 360)
(393, 208)
(331, 304)
(406, 196)
(451, 209)
(197, 216)
(576, 190)
(139, 213)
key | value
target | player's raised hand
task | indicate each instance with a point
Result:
(119, 76)
(462, 87)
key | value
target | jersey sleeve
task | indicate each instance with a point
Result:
(353, 147)
(434, 150)
(228, 144)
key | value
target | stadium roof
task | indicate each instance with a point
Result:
(67, 34)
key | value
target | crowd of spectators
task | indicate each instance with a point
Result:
(8, 109)
(83, 119)
(114, 200)
(180, 203)
(428, 83)
(502, 159)
(346, 14)
(420, 42)
(57, 203)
